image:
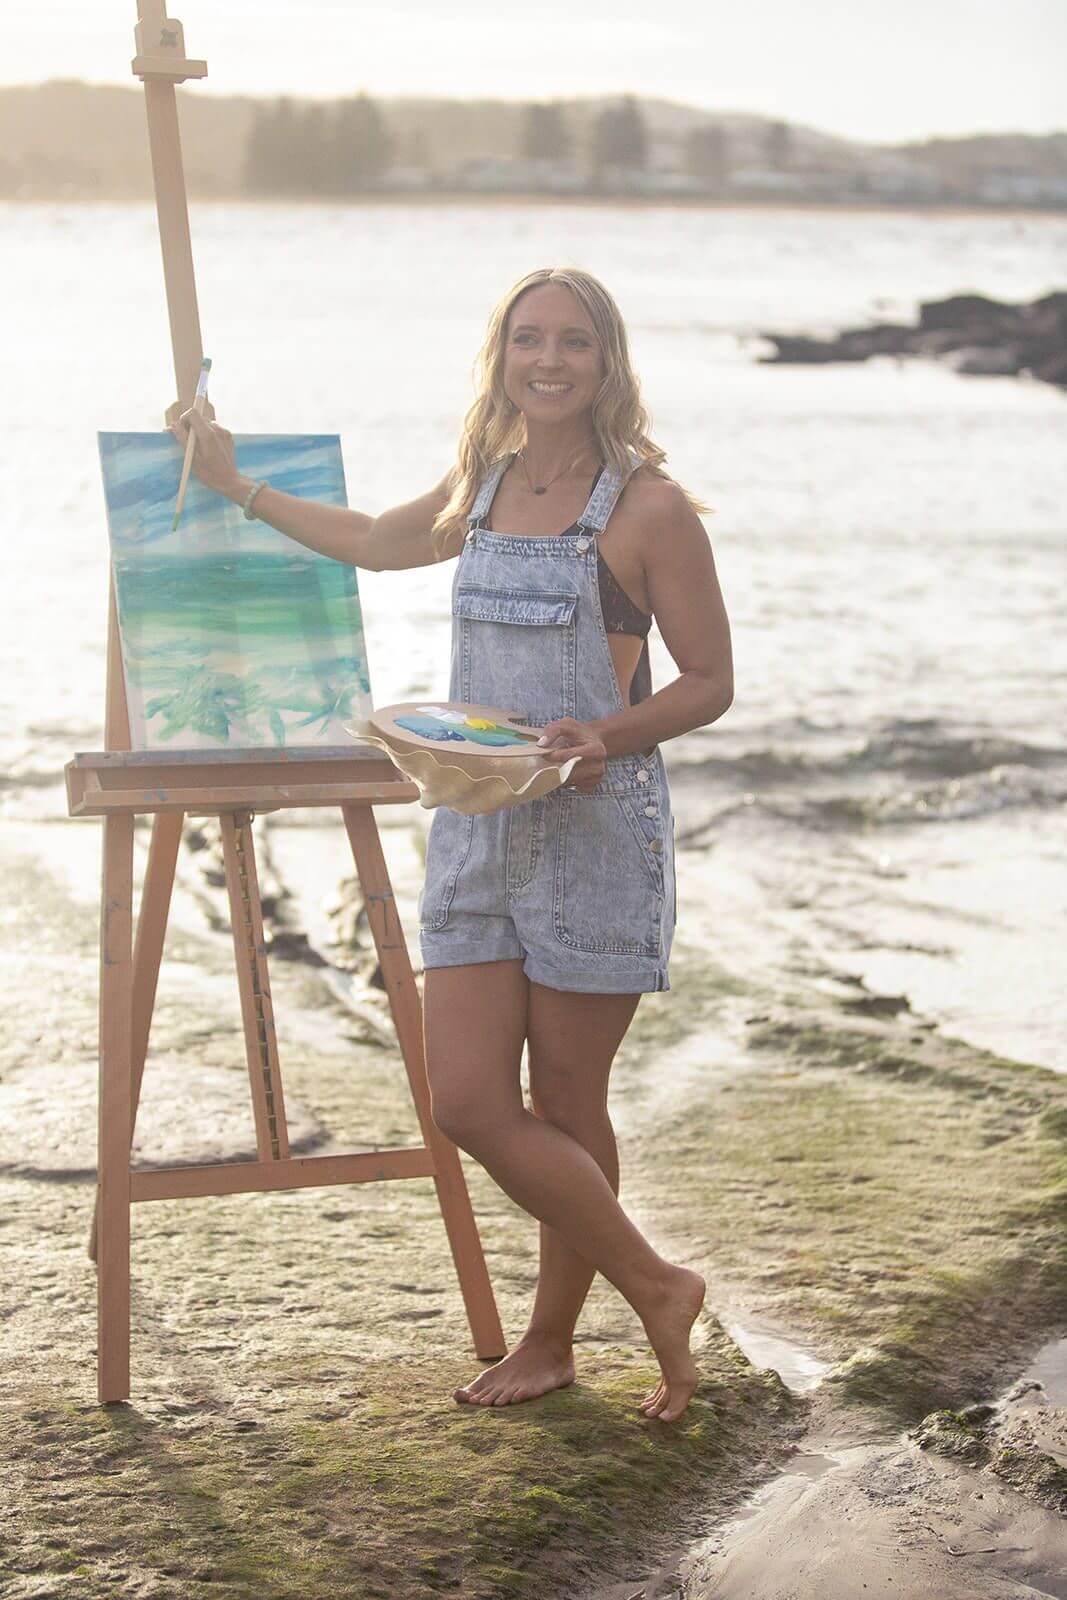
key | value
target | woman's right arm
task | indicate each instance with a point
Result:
(400, 537)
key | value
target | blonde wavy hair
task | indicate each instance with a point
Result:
(494, 426)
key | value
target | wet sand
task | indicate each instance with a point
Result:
(878, 1209)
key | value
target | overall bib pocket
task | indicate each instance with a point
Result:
(517, 649)
(609, 884)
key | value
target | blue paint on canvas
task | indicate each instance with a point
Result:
(233, 635)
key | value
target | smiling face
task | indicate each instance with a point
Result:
(552, 362)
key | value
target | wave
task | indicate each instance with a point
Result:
(949, 800)
(909, 770)
(906, 747)
(32, 778)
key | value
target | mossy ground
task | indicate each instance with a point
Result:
(365, 1482)
(897, 1197)
(892, 1196)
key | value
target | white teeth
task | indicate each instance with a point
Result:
(550, 388)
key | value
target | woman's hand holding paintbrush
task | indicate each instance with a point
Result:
(213, 459)
(199, 406)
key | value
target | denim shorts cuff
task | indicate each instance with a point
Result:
(602, 980)
(445, 950)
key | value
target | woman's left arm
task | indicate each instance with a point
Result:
(687, 602)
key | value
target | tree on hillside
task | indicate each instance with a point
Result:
(311, 153)
(544, 134)
(360, 145)
(620, 138)
(707, 156)
(270, 155)
(417, 148)
(316, 148)
(778, 145)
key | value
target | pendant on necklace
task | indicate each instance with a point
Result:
(541, 491)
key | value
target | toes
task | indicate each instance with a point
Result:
(469, 1393)
(676, 1404)
(674, 1411)
(651, 1398)
(661, 1400)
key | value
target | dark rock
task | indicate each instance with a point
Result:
(792, 348)
(1054, 370)
(978, 336)
(885, 338)
(964, 310)
(987, 361)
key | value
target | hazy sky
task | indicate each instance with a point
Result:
(869, 69)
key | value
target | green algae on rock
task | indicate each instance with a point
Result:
(1015, 1458)
(899, 1199)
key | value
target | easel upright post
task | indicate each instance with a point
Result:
(161, 63)
(113, 1173)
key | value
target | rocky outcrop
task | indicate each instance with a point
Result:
(971, 332)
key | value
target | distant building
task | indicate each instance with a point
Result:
(516, 175)
(770, 180)
(615, 179)
(408, 178)
(897, 177)
(1022, 187)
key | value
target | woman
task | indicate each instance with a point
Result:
(553, 917)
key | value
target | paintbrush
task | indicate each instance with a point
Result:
(199, 402)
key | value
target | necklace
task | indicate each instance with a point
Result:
(545, 487)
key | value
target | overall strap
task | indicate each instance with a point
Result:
(484, 498)
(602, 500)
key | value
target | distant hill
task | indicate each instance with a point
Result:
(71, 139)
(1039, 155)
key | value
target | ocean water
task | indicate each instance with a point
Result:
(884, 799)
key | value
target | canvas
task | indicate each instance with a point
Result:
(233, 635)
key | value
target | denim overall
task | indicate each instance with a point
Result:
(581, 886)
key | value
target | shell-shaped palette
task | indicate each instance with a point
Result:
(469, 758)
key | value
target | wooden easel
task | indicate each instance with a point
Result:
(119, 784)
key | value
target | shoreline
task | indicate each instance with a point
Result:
(463, 197)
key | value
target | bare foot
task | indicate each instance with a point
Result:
(534, 1367)
(667, 1322)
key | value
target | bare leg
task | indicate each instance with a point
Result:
(572, 1041)
(476, 1018)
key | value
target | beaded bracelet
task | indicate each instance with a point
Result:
(250, 496)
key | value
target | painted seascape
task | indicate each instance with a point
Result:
(233, 635)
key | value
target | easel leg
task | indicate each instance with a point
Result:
(253, 981)
(113, 1170)
(406, 1007)
(148, 953)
